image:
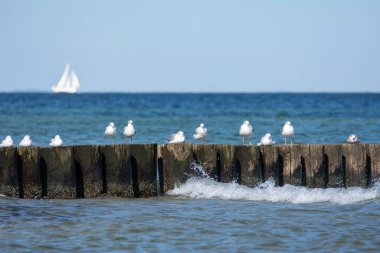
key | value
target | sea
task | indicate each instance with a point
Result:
(201, 215)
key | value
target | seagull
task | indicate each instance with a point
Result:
(7, 142)
(353, 138)
(56, 141)
(200, 132)
(246, 130)
(266, 140)
(26, 141)
(177, 137)
(129, 130)
(111, 131)
(288, 131)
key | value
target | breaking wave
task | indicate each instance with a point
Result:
(203, 187)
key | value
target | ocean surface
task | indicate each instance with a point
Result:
(82, 118)
(201, 215)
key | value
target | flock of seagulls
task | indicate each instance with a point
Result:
(246, 132)
(27, 141)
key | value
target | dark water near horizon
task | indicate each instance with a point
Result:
(201, 215)
(82, 118)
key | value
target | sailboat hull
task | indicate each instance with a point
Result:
(62, 90)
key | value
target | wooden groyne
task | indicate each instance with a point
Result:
(147, 170)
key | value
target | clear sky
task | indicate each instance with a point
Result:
(249, 46)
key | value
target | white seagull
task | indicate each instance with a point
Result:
(288, 131)
(200, 132)
(177, 137)
(26, 141)
(246, 130)
(353, 138)
(111, 131)
(129, 130)
(7, 142)
(266, 140)
(56, 141)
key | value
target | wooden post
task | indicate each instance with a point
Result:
(176, 161)
(9, 172)
(247, 159)
(60, 172)
(31, 173)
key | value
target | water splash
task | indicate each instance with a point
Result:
(203, 187)
(197, 171)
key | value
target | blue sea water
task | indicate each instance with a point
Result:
(82, 118)
(201, 215)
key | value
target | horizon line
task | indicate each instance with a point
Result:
(199, 92)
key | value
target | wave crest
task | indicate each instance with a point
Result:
(203, 187)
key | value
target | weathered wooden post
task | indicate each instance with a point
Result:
(216, 160)
(373, 151)
(316, 167)
(226, 158)
(336, 177)
(355, 165)
(9, 172)
(143, 163)
(88, 171)
(176, 160)
(31, 173)
(295, 156)
(247, 165)
(268, 158)
(118, 174)
(206, 156)
(60, 172)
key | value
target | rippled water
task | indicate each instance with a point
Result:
(213, 217)
(200, 215)
(82, 118)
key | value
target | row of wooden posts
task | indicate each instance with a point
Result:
(147, 170)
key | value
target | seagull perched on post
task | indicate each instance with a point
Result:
(111, 131)
(288, 131)
(26, 141)
(200, 132)
(177, 137)
(353, 138)
(56, 141)
(129, 130)
(246, 130)
(266, 140)
(7, 142)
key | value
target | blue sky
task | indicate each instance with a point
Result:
(176, 46)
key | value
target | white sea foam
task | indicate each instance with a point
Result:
(207, 188)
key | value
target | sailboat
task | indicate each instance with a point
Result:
(68, 83)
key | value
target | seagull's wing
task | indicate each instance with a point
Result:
(170, 138)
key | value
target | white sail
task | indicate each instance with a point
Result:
(74, 81)
(64, 76)
(68, 83)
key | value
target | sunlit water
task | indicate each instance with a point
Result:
(200, 215)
